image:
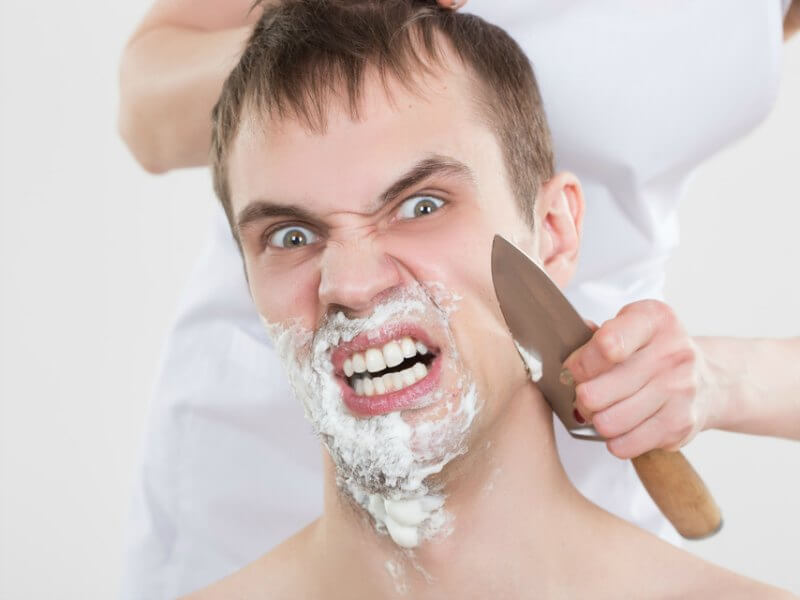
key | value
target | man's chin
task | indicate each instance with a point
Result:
(441, 431)
(403, 453)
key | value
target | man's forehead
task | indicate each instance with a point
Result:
(377, 93)
(393, 133)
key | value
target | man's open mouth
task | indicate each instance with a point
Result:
(392, 367)
(374, 369)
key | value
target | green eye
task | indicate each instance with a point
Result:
(292, 237)
(419, 206)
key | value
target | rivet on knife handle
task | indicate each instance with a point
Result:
(679, 492)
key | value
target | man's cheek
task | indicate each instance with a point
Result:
(439, 258)
(280, 299)
(433, 239)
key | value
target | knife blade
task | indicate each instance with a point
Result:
(546, 325)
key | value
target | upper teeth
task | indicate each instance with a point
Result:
(377, 359)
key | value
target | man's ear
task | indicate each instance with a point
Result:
(559, 218)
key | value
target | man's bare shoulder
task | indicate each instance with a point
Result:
(280, 573)
(636, 564)
(722, 583)
(687, 576)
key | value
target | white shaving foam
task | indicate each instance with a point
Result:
(533, 362)
(382, 461)
(397, 571)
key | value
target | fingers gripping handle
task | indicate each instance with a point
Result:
(678, 491)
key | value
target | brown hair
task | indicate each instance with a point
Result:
(303, 52)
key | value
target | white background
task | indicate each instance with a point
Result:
(94, 253)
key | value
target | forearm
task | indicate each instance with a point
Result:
(170, 79)
(754, 385)
(791, 24)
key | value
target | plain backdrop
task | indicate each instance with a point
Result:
(94, 253)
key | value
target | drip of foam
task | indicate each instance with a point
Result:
(382, 461)
(533, 362)
(397, 571)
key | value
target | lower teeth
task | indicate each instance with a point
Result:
(390, 382)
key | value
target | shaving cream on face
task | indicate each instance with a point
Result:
(382, 461)
(533, 363)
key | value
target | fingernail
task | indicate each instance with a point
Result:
(578, 416)
(566, 378)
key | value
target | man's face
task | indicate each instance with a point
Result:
(399, 206)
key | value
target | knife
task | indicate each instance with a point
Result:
(546, 325)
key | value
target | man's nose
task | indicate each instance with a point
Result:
(353, 273)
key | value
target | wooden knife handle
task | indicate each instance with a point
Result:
(678, 491)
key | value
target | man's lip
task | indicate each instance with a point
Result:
(376, 339)
(416, 395)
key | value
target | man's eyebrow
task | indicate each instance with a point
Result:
(428, 167)
(262, 209)
(435, 164)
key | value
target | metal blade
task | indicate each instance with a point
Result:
(543, 322)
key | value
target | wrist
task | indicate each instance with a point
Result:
(722, 382)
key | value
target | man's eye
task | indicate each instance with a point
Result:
(291, 237)
(419, 206)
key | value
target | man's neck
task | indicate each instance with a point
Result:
(519, 530)
(511, 504)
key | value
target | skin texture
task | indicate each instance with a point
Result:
(520, 529)
(171, 74)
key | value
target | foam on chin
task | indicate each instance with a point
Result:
(382, 461)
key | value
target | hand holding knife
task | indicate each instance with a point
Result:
(543, 322)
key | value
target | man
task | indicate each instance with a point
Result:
(365, 155)
(218, 464)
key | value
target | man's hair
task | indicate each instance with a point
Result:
(303, 54)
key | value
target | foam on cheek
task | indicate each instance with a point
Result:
(533, 363)
(382, 461)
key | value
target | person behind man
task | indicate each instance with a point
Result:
(212, 422)
(365, 154)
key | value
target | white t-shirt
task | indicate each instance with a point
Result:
(636, 94)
